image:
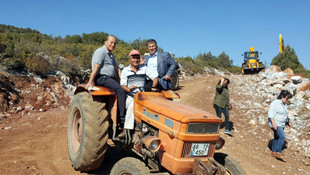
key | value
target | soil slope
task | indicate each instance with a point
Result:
(37, 144)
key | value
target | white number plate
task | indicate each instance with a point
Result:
(199, 149)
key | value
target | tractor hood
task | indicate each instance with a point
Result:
(157, 104)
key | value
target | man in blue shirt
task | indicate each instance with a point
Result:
(161, 63)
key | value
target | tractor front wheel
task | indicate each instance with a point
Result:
(129, 166)
(232, 166)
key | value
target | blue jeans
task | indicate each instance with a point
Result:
(278, 141)
(225, 111)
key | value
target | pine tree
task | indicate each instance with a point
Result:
(288, 59)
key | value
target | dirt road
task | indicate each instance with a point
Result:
(37, 144)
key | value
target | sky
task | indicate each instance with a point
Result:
(182, 27)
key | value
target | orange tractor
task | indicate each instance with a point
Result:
(168, 136)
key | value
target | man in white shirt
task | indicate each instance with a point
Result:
(133, 79)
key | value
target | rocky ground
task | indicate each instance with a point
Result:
(34, 111)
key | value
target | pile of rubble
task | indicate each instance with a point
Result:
(23, 94)
(258, 91)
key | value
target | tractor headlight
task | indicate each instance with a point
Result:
(220, 143)
(152, 143)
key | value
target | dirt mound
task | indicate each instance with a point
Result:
(24, 94)
(7, 93)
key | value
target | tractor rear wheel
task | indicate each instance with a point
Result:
(87, 132)
(129, 166)
(175, 80)
(232, 166)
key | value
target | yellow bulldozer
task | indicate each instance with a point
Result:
(251, 63)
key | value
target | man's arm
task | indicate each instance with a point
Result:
(154, 85)
(273, 123)
(93, 75)
(128, 89)
(172, 66)
(271, 114)
(219, 89)
(117, 73)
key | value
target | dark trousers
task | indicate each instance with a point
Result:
(148, 86)
(108, 82)
(225, 111)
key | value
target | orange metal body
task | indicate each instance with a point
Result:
(155, 109)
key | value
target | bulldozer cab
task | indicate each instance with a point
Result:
(251, 55)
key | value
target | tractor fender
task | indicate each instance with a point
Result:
(95, 90)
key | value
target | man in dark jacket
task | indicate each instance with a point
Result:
(160, 62)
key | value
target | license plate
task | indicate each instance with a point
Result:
(199, 149)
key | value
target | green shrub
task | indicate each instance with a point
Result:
(288, 59)
(38, 65)
(234, 69)
(14, 64)
(191, 67)
(306, 73)
(85, 55)
(70, 65)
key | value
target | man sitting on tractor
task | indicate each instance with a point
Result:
(105, 72)
(133, 79)
(161, 63)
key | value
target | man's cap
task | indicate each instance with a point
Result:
(134, 52)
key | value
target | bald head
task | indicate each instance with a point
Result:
(110, 43)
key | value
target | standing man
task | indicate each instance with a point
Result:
(105, 71)
(133, 79)
(221, 102)
(160, 63)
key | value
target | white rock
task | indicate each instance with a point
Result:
(207, 70)
(38, 79)
(8, 127)
(218, 72)
(29, 107)
(296, 79)
(307, 106)
(252, 122)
